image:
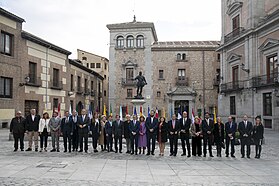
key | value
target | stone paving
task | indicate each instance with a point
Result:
(59, 168)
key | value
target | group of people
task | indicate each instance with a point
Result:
(140, 134)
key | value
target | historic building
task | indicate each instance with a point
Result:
(100, 65)
(249, 60)
(37, 74)
(180, 75)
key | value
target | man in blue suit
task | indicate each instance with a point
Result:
(82, 124)
(67, 131)
(151, 127)
(134, 134)
(108, 129)
(245, 129)
(230, 128)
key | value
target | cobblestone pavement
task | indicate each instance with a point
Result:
(102, 168)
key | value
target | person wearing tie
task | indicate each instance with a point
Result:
(74, 120)
(173, 128)
(207, 130)
(185, 124)
(67, 131)
(55, 129)
(108, 130)
(230, 129)
(96, 130)
(82, 124)
(17, 128)
(134, 133)
(151, 126)
(245, 129)
(32, 127)
(117, 133)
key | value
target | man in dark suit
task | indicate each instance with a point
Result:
(245, 129)
(151, 125)
(82, 124)
(96, 131)
(127, 133)
(108, 129)
(32, 127)
(17, 128)
(185, 124)
(117, 133)
(230, 129)
(207, 131)
(74, 120)
(173, 128)
(67, 131)
(134, 131)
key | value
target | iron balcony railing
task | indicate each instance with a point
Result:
(181, 81)
(34, 80)
(232, 86)
(58, 85)
(128, 82)
(234, 34)
(265, 80)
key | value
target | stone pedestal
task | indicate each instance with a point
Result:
(137, 103)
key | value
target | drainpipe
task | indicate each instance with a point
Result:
(203, 82)
(46, 106)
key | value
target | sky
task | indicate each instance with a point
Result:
(81, 24)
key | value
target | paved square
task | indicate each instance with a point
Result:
(35, 168)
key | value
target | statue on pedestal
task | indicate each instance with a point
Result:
(141, 82)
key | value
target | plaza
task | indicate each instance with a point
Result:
(103, 168)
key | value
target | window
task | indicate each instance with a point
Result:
(268, 123)
(79, 84)
(55, 103)
(140, 41)
(271, 68)
(84, 58)
(72, 82)
(92, 65)
(87, 65)
(130, 42)
(6, 43)
(267, 104)
(158, 94)
(183, 56)
(55, 79)
(181, 74)
(218, 57)
(98, 65)
(92, 85)
(120, 42)
(72, 104)
(6, 87)
(178, 57)
(105, 93)
(105, 76)
(129, 74)
(235, 76)
(232, 105)
(85, 86)
(129, 93)
(235, 23)
(105, 66)
(32, 72)
(161, 74)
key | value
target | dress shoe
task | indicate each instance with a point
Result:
(36, 149)
(153, 153)
(95, 150)
(148, 154)
(15, 150)
(174, 154)
(183, 154)
(189, 156)
(242, 156)
(21, 149)
(171, 154)
(233, 156)
(120, 151)
(53, 150)
(29, 149)
(136, 153)
(132, 153)
(80, 151)
(85, 151)
(204, 155)
(58, 150)
(69, 151)
(65, 150)
(116, 151)
(248, 157)
(227, 155)
(211, 156)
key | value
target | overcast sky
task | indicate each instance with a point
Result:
(73, 24)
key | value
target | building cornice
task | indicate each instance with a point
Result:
(9, 15)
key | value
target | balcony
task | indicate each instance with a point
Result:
(57, 85)
(86, 92)
(34, 81)
(232, 86)
(181, 81)
(79, 91)
(92, 93)
(234, 34)
(128, 82)
(265, 80)
(216, 82)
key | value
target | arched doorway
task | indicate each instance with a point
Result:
(181, 106)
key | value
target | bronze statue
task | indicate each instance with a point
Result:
(141, 82)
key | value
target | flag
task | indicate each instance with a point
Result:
(157, 113)
(110, 110)
(193, 116)
(141, 111)
(105, 110)
(135, 111)
(214, 115)
(97, 110)
(70, 110)
(127, 110)
(164, 112)
(179, 113)
(148, 111)
(120, 113)
(58, 109)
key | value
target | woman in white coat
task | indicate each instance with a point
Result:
(44, 130)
